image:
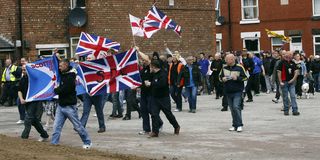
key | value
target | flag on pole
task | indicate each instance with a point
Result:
(142, 28)
(91, 44)
(43, 77)
(162, 21)
(112, 73)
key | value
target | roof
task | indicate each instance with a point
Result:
(5, 45)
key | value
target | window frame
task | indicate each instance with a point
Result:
(275, 45)
(315, 43)
(72, 6)
(251, 38)
(52, 49)
(313, 9)
(295, 42)
(220, 45)
(72, 52)
(247, 21)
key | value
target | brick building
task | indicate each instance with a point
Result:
(46, 25)
(249, 19)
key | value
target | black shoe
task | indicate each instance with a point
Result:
(113, 116)
(101, 130)
(126, 118)
(249, 100)
(119, 116)
(286, 113)
(296, 113)
(224, 109)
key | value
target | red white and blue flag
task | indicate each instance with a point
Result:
(142, 28)
(158, 19)
(96, 45)
(112, 73)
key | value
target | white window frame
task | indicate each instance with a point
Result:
(251, 38)
(171, 3)
(296, 43)
(72, 45)
(314, 43)
(47, 47)
(275, 45)
(219, 39)
(72, 6)
(249, 21)
(313, 9)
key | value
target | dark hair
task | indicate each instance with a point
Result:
(65, 60)
(202, 53)
(156, 63)
(169, 55)
(155, 54)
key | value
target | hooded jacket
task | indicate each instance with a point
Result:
(67, 88)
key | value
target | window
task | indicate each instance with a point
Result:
(78, 3)
(73, 45)
(316, 7)
(316, 42)
(252, 44)
(296, 43)
(284, 2)
(250, 9)
(218, 46)
(48, 52)
(276, 43)
(171, 3)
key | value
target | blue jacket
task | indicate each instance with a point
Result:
(204, 66)
(257, 65)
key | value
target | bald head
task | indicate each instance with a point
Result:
(8, 62)
(230, 59)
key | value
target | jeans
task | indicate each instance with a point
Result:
(175, 93)
(21, 109)
(268, 82)
(286, 90)
(205, 83)
(116, 106)
(316, 78)
(164, 105)
(145, 105)
(234, 101)
(70, 112)
(98, 102)
(33, 109)
(192, 96)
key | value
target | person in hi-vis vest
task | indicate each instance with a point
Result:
(9, 83)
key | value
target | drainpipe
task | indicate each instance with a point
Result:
(229, 26)
(20, 28)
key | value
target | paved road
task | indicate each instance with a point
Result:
(268, 134)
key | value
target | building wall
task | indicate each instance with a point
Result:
(46, 22)
(273, 16)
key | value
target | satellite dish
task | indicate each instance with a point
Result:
(221, 20)
(78, 17)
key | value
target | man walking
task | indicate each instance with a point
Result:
(216, 67)
(9, 83)
(175, 86)
(233, 77)
(287, 74)
(160, 99)
(32, 109)
(67, 107)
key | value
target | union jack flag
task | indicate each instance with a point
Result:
(112, 73)
(91, 44)
(158, 19)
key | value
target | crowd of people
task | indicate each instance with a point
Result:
(232, 76)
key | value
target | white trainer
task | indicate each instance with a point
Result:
(43, 139)
(87, 146)
(232, 129)
(20, 122)
(239, 129)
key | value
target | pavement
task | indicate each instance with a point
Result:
(267, 135)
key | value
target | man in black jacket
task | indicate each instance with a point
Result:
(32, 109)
(216, 67)
(67, 107)
(192, 78)
(160, 99)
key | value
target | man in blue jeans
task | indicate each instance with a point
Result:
(233, 77)
(67, 105)
(287, 75)
(98, 102)
(192, 78)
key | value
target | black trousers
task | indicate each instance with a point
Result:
(9, 92)
(217, 85)
(164, 105)
(253, 84)
(33, 110)
(132, 103)
(175, 92)
(299, 85)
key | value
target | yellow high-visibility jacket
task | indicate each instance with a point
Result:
(13, 68)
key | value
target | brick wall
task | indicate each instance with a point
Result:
(7, 18)
(295, 16)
